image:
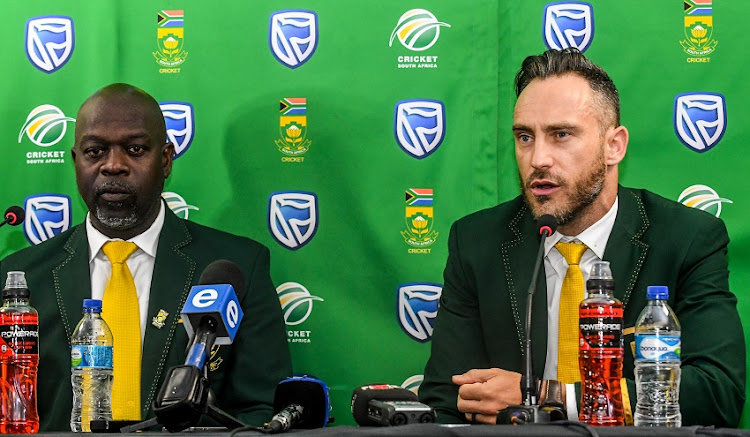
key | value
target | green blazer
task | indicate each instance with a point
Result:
(244, 374)
(654, 241)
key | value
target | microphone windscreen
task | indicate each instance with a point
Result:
(546, 222)
(223, 272)
(14, 215)
(311, 393)
(381, 392)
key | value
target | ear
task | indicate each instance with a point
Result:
(616, 145)
(73, 153)
(167, 156)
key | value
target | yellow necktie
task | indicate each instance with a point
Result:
(121, 312)
(571, 296)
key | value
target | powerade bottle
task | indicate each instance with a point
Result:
(91, 368)
(19, 358)
(657, 362)
(601, 352)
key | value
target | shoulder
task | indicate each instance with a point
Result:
(210, 242)
(666, 213)
(43, 251)
(495, 219)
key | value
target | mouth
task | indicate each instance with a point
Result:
(543, 187)
(112, 192)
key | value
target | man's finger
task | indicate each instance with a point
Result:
(474, 375)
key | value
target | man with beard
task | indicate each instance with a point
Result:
(568, 144)
(121, 163)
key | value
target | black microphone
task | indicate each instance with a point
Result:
(301, 402)
(530, 412)
(14, 216)
(388, 405)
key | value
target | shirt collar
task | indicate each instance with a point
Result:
(595, 237)
(146, 241)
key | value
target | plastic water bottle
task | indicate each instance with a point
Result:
(601, 352)
(91, 368)
(19, 358)
(657, 362)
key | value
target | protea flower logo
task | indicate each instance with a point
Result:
(293, 36)
(417, 30)
(704, 198)
(296, 302)
(45, 126)
(49, 42)
(700, 120)
(419, 126)
(293, 217)
(178, 205)
(412, 383)
(568, 24)
(180, 122)
(46, 216)
(417, 306)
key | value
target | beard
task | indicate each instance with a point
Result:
(582, 193)
(116, 215)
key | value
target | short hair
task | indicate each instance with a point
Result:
(572, 61)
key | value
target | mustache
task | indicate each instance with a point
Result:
(542, 174)
(114, 187)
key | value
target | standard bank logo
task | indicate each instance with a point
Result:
(180, 125)
(419, 126)
(702, 197)
(296, 302)
(568, 24)
(293, 36)
(46, 216)
(293, 217)
(417, 30)
(700, 120)
(45, 126)
(49, 42)
(412, 383)
(417, 307)
(178, 205)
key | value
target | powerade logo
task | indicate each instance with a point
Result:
(702, 197)
(46, 216)
(293, 217)
(568, 24)
(417, 308)
(49, 42)
(700, 120)
(419, 126)
(293, 36)
(178, 205)
(296, 302)
(180, 122)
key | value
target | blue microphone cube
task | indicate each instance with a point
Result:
(218, 301)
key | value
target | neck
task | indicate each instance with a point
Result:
(592, 213)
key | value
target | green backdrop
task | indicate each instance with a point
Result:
(382, 215)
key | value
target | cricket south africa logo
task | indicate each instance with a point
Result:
(417, 30)
(704, 198)
(45, 126)
(296, 302)
(420, 220)
(293, 217)
(700, 120)
(293, 128)
(180, 122)
(170, 40)
(46, 216)
(568, 24)
(178, 205)
(412, 383)
(419, 126)
(699, 30)
(49, 42)
(417, 308)
(293, 36)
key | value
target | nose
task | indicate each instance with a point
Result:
(541, 155)
(116, 162)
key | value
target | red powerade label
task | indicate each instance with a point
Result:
(19, 335)
(600, 328)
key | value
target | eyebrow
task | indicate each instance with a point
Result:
(93, 137)
(547, 129)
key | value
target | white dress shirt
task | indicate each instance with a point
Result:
(140, 263)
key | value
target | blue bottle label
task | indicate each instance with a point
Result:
(652, 347)
(95, 356)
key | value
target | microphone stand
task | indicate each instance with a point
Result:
(530, 411)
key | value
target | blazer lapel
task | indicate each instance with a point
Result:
(625, 250)
(518, 255)
(72, 279)
(174, 272)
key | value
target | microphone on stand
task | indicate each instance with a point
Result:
(530, 411)
(300, 402)
(13, 216)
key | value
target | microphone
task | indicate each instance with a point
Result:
(301, 402)
(530, 412)
(14, 216)
(388, 405)
(211, 315)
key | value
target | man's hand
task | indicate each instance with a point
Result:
(483, 392)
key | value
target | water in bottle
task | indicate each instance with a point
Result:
(657, 362)
(91, 368)
(19, 358)
(601, 352)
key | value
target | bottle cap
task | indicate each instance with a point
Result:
(600, 276)
(92, 305)
(657, 292)
(15, 286)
